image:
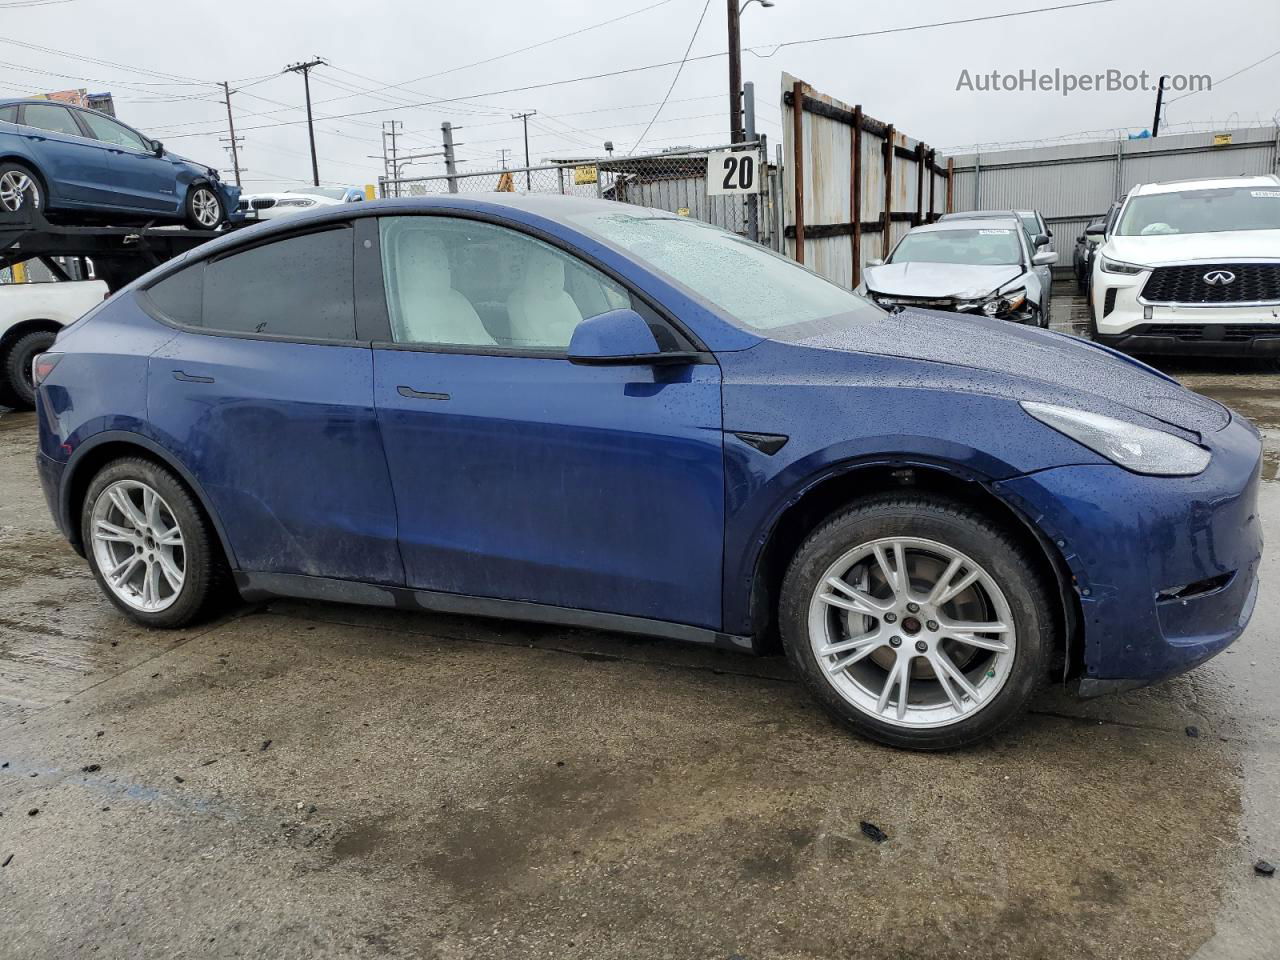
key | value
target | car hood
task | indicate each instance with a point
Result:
(1038, 364)
(1174, 248)
(960, 280)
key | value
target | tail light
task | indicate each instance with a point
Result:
(42, 366)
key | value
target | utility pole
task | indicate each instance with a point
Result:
(735, 73)
(749, 103)
(1155, 124)
(231, 128)
(450, 167)
(528, 183)
(502, 157)
(305, 69)
(389, 128)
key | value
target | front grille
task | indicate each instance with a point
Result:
(1248, 283)
(1197, 332)
(242, 205)
(263, 204)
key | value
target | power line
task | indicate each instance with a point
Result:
(674, 80)
(1229, 76)
(671, 63)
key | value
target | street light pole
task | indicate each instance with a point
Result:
(305, 70)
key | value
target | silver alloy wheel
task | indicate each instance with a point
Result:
(14, 186)
(912, 632)
(138, 546)
(204, 204)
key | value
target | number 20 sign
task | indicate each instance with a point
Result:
(730, 172)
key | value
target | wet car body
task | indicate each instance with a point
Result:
(1153, 573)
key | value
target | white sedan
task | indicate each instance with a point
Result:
(268, 206)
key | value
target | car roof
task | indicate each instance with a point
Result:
(1206, 183)
(1008, 221)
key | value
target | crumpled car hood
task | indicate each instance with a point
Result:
(1056, 360)
(939, 279)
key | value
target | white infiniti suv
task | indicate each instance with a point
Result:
(1192, 267)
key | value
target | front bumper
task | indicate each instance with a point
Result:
(1132, 541)
(1221, 338)
(1126, 322)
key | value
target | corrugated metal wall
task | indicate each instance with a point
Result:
(827, 151)
(1070, 184)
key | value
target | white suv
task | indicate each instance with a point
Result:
(1192, 267)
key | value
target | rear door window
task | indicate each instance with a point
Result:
(302, 286)
(9, 114)
(51, 117)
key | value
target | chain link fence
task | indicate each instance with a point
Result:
(676, 181)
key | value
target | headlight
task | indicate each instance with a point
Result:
(1117, 266)
(1005, 303)
(300, 202)
(1142, 450)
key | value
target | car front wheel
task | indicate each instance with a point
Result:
(204, 208)
(917, 622)
(149, 544)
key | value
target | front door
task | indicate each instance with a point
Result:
(519, 475)
(145, 181)
(265, 395)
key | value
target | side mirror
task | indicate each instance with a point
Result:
(1041, 240)
(877, 262)
(1095, 229)
(1045, 258)
(157, 148)
(619, 337)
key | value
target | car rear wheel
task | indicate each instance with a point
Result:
(149, 544)
(19, 188)
(204, 208)
(917, 622)
(16, 370)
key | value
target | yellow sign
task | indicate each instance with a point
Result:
(583, 175)
(369, 192)
(682, 212)
(1221, 139)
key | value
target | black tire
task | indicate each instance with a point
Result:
(198, 195)
(960, 528)
(21, 204)
(205, 569)
(16, 368)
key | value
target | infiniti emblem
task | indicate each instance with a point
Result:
(1219, 278)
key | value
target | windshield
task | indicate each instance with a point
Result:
(994, 246)
(1201, 211)
(753, 285)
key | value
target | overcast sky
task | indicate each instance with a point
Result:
(161, 60)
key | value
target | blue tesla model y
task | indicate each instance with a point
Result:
(581, 412)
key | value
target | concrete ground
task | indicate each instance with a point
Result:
(301, 780)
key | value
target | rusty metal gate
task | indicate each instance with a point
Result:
(853, 185)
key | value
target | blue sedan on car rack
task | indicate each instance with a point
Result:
(70, 162)
(582, 412)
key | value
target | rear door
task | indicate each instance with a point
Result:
(266, 395)
(522, 476)
(149, 182)
(77, 168)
